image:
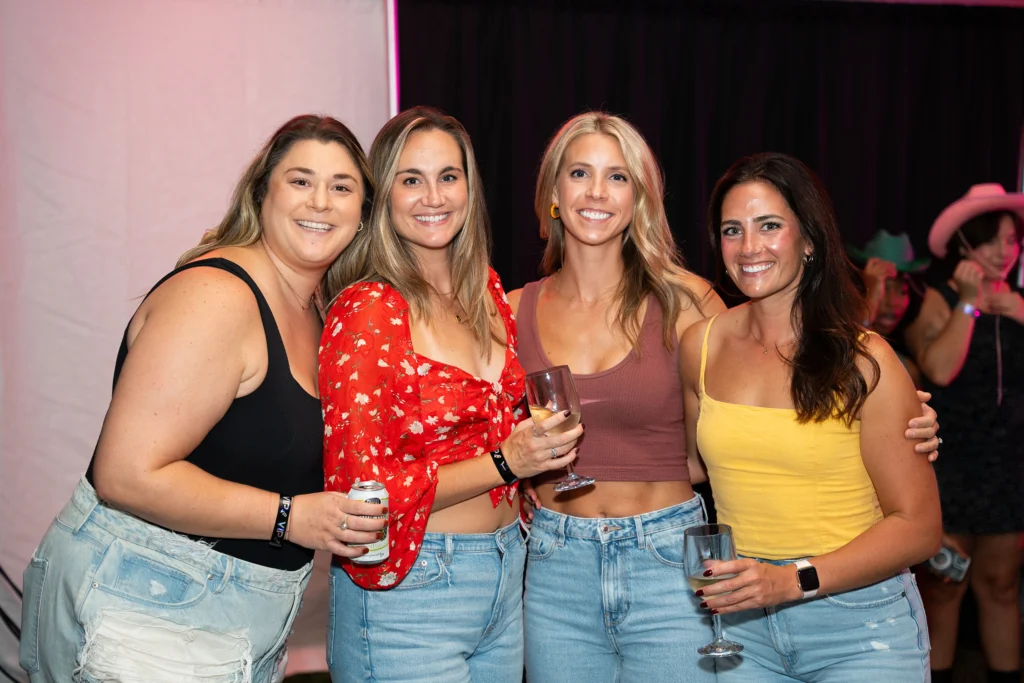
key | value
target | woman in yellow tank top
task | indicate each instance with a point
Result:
(799, 416)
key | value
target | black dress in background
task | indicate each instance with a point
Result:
(980, 469)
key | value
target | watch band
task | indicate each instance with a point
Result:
(804, 564)
(968, 309)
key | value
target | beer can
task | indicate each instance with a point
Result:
(371, 492)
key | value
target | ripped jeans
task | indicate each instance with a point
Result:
(873, 634)
(111, 597)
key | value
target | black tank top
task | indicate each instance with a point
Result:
(271, 439)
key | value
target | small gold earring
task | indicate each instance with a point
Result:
(360, 226)
(555, 213)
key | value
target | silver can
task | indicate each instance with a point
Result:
(371, 492)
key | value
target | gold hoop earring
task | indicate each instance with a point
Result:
(555, 213)
(360, 226)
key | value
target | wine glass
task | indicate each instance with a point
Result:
(702, 543)
(552, 391)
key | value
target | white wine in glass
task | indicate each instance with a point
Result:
(700, 544)
(553, 391)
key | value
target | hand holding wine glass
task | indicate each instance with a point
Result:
(552, 391)
(703, 544)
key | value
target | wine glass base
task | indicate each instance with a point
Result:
(572, 482)
(720, 648)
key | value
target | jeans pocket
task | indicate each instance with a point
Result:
(149, 578)
(541, 545)
(667, 546)
(428, 568)
(33, 579)
(869, 597)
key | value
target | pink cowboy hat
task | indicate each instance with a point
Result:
(978, 200)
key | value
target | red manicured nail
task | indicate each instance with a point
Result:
(568, 413)
(365, 550)
(708, 572)
(699, 593)
(714, 611)
(703, 605)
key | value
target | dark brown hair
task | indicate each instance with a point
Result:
(826, 380)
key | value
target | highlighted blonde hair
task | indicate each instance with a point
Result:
(391, 257)
(653, 264)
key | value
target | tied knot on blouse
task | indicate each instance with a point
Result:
(394, 416)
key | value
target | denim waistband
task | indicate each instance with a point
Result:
(450, 544)
(607, 529)
(85, 507)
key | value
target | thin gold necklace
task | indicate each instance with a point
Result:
(458, 318)
(289, 285)
(777, 346)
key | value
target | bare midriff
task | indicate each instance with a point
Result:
(474, 516)
(607, 499)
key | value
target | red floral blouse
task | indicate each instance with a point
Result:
(395, 416)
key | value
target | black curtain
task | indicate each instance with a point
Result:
(899, 108)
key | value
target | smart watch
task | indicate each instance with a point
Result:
(807, 577)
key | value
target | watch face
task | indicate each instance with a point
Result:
(808, 578)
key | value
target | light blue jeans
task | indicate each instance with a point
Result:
(874, 634)
(607, 600)
(456, 617)
(111, 597)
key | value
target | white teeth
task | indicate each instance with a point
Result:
(595, 215)
(432, 219)
(760, 268)
(317, 227)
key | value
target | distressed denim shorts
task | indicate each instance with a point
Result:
(873, 634)
(111, 597)
(456, 617)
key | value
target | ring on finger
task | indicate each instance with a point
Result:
(554, 453)
(940, 440)
(344, 522)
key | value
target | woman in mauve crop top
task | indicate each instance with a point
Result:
(421, 391)
(799, 415)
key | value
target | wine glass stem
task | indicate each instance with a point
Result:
(716, 619)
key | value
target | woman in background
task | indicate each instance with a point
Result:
(969, 343)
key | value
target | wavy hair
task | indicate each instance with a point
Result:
(393, 260)
(827, 383)
(241, 226)
(653, 263)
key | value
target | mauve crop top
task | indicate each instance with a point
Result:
(633, 411)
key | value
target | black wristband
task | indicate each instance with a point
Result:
(502, 466)
(284, 508)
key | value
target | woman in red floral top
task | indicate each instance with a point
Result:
(421, 387)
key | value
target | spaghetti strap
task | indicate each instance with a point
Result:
(704, 352)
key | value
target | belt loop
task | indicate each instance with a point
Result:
(228, 567)
(639, 523)
(93, 501)
(703, 508)
(449, 548)
(563, 521)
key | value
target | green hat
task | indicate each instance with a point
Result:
(894, 248)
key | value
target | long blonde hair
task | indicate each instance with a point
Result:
(391, 257)
(653, 264)
(241, 226)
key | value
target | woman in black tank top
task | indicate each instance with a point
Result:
(195, 526)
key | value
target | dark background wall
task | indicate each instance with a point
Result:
(898, 107)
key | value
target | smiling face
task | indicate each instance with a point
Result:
(594, 191)
(762, 247)
(997, 256)
(430, 195)
(313, 204)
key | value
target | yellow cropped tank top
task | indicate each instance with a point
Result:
(788, 490)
